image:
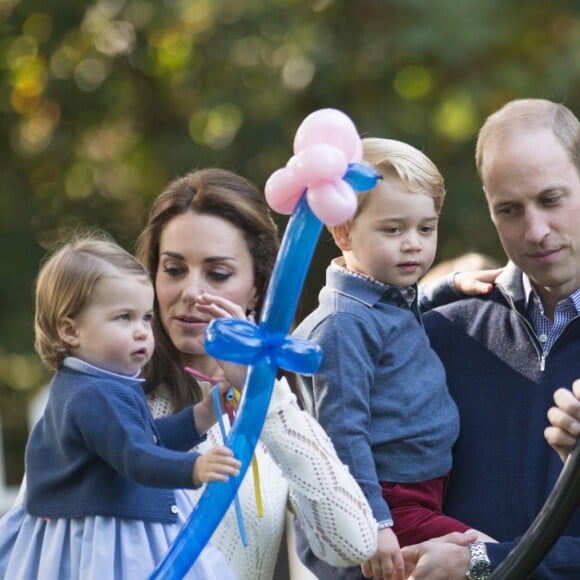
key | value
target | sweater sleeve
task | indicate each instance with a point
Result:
(325, 499)
(341, 392)
(562, 562)
(111, 422)
(179, 431)
(438, 293)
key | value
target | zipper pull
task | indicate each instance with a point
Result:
(543, 362)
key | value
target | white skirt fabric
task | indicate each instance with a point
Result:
(96, 547)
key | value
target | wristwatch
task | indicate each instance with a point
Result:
(479, 564)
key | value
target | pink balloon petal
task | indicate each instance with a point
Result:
(329, 126)
(332, 202)
(320, 163)
(283, 190)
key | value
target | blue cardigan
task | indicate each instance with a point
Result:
(98, 451)
(503, 469)
(380, 394)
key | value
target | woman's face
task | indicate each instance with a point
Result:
(205, 272)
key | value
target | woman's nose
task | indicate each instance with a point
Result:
(192, 289)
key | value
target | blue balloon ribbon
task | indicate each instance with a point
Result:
(263, 348)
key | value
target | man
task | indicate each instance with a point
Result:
(506, 353)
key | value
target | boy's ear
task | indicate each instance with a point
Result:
(341, 235)
(68, 331)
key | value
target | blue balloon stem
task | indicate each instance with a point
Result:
(218, 411)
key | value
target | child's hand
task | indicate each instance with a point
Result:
(387, 562)
(217, 464)
(475, 282)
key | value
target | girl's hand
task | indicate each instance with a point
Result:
(217, 464)
(475, 282)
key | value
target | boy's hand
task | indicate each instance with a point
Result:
(387, 562)
(217, 464)
(475, 282)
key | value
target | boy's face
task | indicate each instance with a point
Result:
(394, 238)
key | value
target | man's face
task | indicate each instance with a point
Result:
(533, 194)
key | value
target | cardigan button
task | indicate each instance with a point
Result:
(173, 509)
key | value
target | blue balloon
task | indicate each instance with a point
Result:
(263, 348)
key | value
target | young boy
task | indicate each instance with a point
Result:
(381, 393)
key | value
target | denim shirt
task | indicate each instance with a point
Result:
(381, 393)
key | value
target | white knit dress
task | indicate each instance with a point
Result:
(299, 470)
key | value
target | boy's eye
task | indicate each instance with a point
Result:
(124, 316)
(148, 317)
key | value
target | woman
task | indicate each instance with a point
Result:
(210, 245)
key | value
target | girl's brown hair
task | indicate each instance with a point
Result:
(66, 282)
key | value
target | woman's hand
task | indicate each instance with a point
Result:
(204, 412)
(219, 307)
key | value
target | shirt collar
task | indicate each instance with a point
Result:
(531, 295)
(81, 366)
(379, 288)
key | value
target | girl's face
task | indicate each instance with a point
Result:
(114, 331)
(205, 272)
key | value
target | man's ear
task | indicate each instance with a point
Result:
(68, 331)
(341, 235)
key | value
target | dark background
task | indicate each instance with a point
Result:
(102, 103)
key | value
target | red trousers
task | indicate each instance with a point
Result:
(417, 510)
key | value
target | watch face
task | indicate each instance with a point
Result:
(479, 570)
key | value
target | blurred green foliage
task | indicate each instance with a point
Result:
(103, 102)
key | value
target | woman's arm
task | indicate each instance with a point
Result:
(324, 497)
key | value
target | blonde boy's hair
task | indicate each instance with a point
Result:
(66, 283)
(391, 158)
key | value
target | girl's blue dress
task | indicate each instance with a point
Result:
(96, 547)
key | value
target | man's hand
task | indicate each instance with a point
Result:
(444, 558)
(472, 283)
(565, 420)
(387, 562)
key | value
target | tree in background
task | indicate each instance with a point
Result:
(103, 102)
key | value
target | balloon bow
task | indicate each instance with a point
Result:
(317, 186)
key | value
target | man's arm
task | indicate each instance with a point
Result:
(448, 557)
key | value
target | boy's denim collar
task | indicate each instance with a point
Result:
(363, 288)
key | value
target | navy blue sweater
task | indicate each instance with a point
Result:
(98, 451)
(503, 469)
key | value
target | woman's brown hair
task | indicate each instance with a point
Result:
(215, 192)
